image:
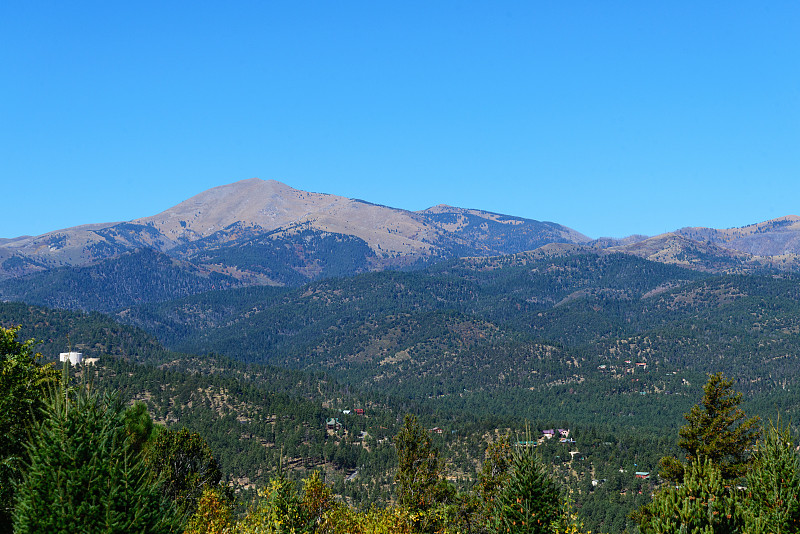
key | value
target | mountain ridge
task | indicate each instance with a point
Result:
(238, 212)
(767, 238)
(264, 232)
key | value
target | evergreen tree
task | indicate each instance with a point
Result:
(138, 425)
(702, 504)
(184, 462)
(420, 486)
(82, 474)
(718, 431)
(530, 500)
(418, 466)
(23, 382)
(773, 485)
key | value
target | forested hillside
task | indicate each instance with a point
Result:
(476, 333)
(136, 277)
(256, 418)
(622, 417)
(612, 347)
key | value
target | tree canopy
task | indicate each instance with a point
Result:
(82, 474)
(185, 463)
(23, 381)
(717, 430)
(529, 501)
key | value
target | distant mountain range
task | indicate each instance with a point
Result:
(256, 232)
(238, 229)
(770, 238)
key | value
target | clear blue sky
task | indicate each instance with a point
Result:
(609, 117)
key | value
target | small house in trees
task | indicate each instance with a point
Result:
(436, 430)
(333, 424)
(642, 474)
(359, 411)
(550, 433)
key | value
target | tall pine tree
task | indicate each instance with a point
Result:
(421, 488)
(84, 476)
(419, 467)
(530, 500)
(716, 430)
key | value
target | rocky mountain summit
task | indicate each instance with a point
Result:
(257, 232)
(769, 238)
(266, 232)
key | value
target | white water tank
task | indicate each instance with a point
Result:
(74, 357)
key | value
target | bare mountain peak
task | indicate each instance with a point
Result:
(439, 208)
(767, 238)
(255, 214)
(785, 223)
(269, 204)
(258, 214)
(678, 249)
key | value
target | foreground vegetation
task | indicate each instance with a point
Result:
(75, 458)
